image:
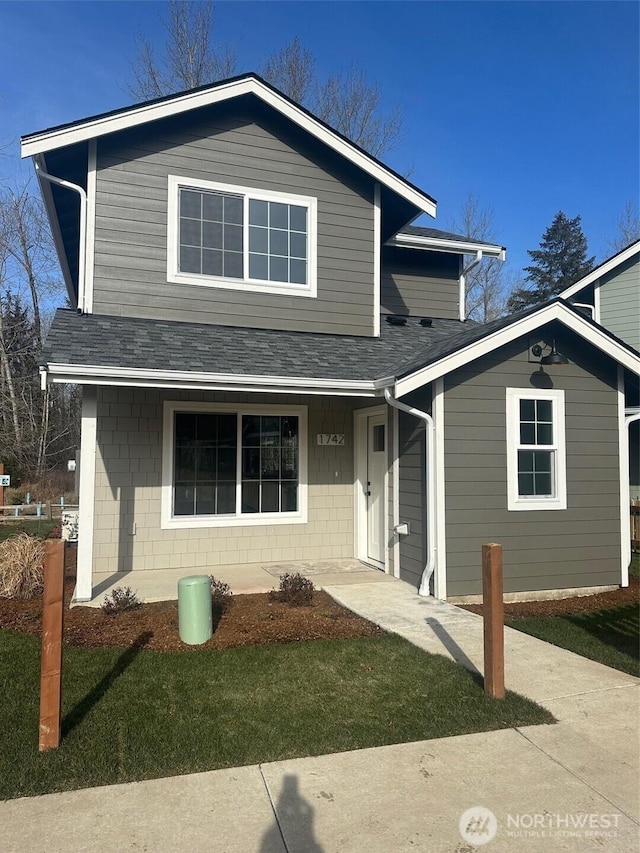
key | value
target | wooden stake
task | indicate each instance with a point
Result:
(493, 614)
(51, 665)
(2, 487)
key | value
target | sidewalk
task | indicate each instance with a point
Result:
(572, 786)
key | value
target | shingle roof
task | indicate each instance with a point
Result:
(128, 342)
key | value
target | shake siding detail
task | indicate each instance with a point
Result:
(131, 226)
(579, 546)
(620, 302)
(128, 481)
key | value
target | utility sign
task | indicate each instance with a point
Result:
(330, 438)
(5, 479)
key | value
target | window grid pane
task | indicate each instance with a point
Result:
(277, 242)
(269, 463)
(211, 233)
(536, 422)
(204, 464)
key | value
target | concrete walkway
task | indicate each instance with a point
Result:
(573, 786)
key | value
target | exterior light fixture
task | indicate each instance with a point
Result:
(553, 357)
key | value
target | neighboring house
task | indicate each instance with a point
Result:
(611, 294)
(276, 365)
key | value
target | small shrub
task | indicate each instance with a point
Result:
(294, 589)
(21, 566)
(122, 599)
(220, 594)
(56, 532)
(15, 496)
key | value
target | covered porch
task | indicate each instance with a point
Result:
(162, 584)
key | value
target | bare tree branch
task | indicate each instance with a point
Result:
(292, 71)
(189, 59)
(485, 286)
(351, 104)
(628, 228)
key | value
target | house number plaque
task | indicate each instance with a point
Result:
(335, 438)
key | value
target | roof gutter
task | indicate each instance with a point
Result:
(430, 484)
(152, 378)
(82, 242)
(442, 244)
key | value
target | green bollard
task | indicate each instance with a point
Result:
(194, 609)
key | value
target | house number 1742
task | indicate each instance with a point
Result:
(336, 438)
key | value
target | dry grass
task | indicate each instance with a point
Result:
(21, 571)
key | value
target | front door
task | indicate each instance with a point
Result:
(374, 491)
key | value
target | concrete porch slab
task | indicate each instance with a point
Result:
(162, 584)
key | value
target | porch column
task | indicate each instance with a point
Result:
(88, 445)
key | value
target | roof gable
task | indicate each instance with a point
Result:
(250, 84)
(480, 340)
(602, 269)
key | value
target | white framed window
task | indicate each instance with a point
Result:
(229, 465)
(536, 452)
(222, 235)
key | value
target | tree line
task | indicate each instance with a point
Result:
(39, 430)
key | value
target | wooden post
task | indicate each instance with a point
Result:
(51, 665)
(1, 486)
(493, 615)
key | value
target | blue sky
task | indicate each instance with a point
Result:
(532, 106)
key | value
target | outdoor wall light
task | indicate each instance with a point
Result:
(552, 357)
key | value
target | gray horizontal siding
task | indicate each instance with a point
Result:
(620, 302)
(412, 497)
(419, 284)
(130, 275)
(579, 546)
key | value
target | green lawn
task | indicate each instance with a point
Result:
(611, 637)
(132, 714)
(36, 527)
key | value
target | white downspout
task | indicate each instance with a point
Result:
(626, 499)
(463, 284)
(430, 486)
(82, 242)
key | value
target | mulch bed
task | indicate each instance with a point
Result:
(248, 620)
(569, 606)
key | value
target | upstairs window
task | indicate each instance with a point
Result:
(234, 237)
(536, 464)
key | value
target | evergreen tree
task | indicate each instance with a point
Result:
(560, 261)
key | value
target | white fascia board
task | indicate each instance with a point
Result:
(436, 244)
(135, 377)
(525, 326)
(93, 128)
(603, 269)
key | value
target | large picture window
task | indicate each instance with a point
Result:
(536, 467)
(228, 464)
(228, 236)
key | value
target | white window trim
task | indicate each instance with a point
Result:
(171, 522)
(310, 289)
(514, 501)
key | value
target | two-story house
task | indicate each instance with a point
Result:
(276, 365)
(611, 295)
